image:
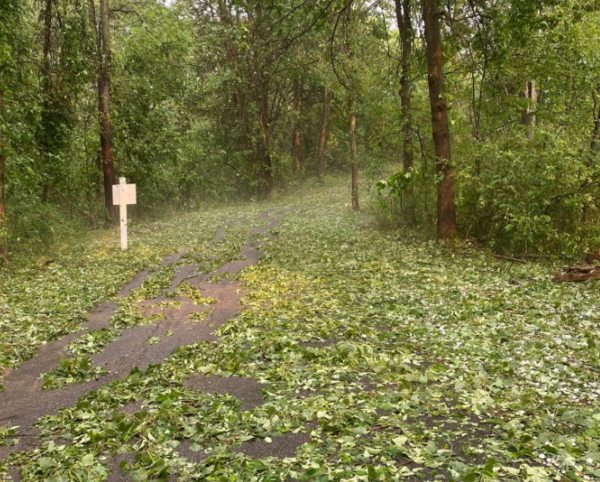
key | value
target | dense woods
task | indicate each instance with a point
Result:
(478, 117)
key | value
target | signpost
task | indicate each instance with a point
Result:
(124, 194)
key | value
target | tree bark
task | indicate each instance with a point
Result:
(106, 136)
(323, 138)
(352, 115)
(260, 89)
(232, 54)
(297, 133)
(353, 155)
(403, 15)
(446, 222)
(528, 116)
(47, 114)
(47, 38)
(595, 142)
(3, 240)
(264, 151)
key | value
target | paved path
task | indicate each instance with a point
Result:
(23, 401)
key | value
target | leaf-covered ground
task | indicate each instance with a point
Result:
(379, 357)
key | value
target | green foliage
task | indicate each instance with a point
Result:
(528, 199)
(92, 343)
(71, 370)
(186, 289)
(197, 91)
(519, 188)
(396, 184)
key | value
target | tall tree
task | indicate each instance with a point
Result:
(48, 134)
(241, 97)
(297, 134)
(353, 154)
(348, 23)
(102, 31)
(261, 83)
(3, 240)
(10, 40)
(446, 222)
(323, 137)
(403, 15)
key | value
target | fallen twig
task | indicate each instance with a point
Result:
(533, 256)
(507, 258)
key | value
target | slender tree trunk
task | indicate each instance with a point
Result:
(47, 114)
(528, 117)
(106, 136)
(595, 142)
(352, 115)
(297, 133)
(353, 155)
(264, 153)
(260, 89)
(446, 222)
(47, 70)
(47, 34)
(3, 240)
(98, 178)
(403, 15)
(323, 138)
(240, 93)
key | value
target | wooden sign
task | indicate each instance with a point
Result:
(129, 196)
(124, 194)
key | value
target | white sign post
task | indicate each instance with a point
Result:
(124, 194)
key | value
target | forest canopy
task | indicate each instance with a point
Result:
(480, 117)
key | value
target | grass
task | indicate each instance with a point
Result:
(405, 360)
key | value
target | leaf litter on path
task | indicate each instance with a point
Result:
(391, 360)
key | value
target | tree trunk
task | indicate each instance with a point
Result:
(106, 137)
(47, 133)
(406, 38)
(47, 34)
(528, 116)
(3, 240)
(240, 93)
(260, 89)
(98, 179)
(446, 222)
(297, 134)
(354, 155)
(323, 138)
(264, 151)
